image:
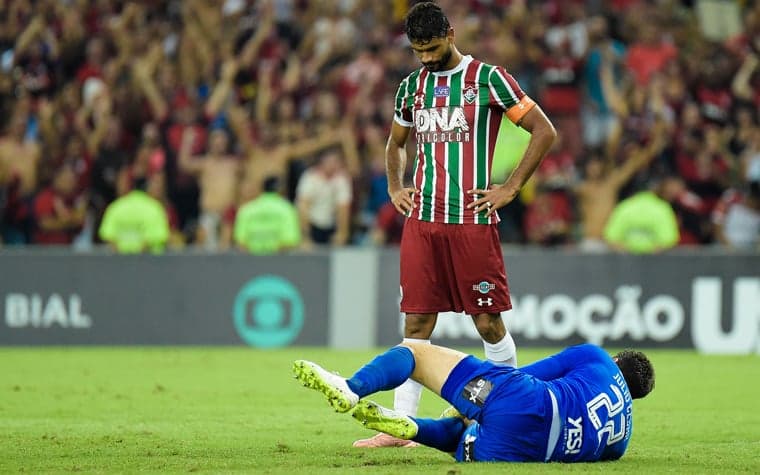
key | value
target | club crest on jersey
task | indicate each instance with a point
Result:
(470, 93)
(484, 287)
(441, 91)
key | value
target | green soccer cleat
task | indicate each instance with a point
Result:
(374, 416)
(334, 387)
(451, 411)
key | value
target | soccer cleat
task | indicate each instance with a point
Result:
(381, 440)
(374, 416)
(451, 411)
(313, 376)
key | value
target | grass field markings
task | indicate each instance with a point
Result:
(700, 419)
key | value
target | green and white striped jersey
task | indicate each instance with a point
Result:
(456, 115)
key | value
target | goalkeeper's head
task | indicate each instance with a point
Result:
(637, 371)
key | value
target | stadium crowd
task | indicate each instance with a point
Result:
(199, 102)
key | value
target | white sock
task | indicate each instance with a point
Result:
(502, 352)
(406, 398)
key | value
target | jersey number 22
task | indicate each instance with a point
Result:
(614, 422)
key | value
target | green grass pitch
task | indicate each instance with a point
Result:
(223, 410)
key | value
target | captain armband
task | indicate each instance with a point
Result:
(518, 111)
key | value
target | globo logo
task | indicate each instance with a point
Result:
(268, 312)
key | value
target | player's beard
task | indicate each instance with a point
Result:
(439, 65)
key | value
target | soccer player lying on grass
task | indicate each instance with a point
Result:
(574, 406)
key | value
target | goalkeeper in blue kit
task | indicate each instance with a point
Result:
(574, 406)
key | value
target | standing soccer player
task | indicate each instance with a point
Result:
(451, 257)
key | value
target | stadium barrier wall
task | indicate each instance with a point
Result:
(702, 299)
(349, 298)
(164, 300)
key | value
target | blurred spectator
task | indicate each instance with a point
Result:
(372, 185)
(651, 51)
(19, 158)
(156, 188)
(59, 212)
(99, 86)
(218, 173)
(323, 198)
(598, 117)
(597, 193)
(548, 218)
(135, 222)
(557, 169)
(737, 218)
(750, 157)
(247, 190)
(714, 89)
(267, 224)
(706, 168)
(561, 93)
(110, 159)
(745, 81)
(642, 224)
(692, 212)
(388, 226)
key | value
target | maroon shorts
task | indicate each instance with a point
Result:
(452, 267)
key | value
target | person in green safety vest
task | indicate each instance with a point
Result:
(644, 223)
(136, 222)
(268, 224)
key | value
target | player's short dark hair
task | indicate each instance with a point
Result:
(425, 21)
(271, 184)
(637, 371)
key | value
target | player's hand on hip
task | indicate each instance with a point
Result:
(403, 199)
(492, 199)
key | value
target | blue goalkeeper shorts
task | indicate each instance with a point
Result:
(513, 412)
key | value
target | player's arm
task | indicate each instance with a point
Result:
(395, 166)
(542, 135)
(614, 451)
(557, 366)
